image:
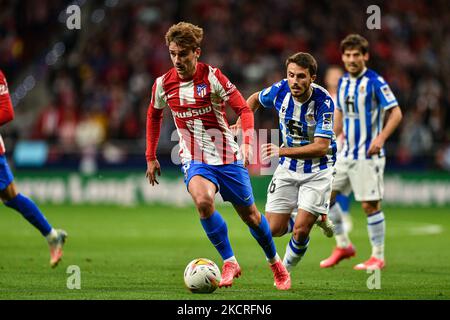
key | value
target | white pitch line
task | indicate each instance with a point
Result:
(426, 229)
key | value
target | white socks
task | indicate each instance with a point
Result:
(376, 227)
(342, 240)
(231, 259)
(294, 253)
(274, 259)
(51, 235)
(335, 215)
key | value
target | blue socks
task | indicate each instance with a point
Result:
(30, 212)
(263, 235)
(217, 232)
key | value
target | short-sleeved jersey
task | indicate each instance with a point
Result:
(197, 106)
(6, 110)
(363, 101)
(300, 123)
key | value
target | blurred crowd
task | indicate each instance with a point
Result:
(99, 91)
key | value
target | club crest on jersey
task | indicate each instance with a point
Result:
(310, 119)
(201, 90)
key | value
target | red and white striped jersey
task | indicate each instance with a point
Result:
(6, 110)
(197, 106)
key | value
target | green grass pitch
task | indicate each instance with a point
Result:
(141, 252)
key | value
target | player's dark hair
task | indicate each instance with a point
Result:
(355, 41)
(304, 60)
(185, 35)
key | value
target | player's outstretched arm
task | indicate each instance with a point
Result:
(393, 118)
(240, 107)
(317, 149)
(154, 123)
(153, 168)
(253, 104)
(253, 101)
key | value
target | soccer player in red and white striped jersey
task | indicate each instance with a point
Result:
(15, 200)
(196, 94)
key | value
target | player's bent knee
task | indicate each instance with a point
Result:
(249, 214)
(205, 206)
(278, 230)
(9, 193)
(301, 233)
(370, 207)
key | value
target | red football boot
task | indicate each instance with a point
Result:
(281, 276)
(371, 264)
(230, 270)
(338, 255)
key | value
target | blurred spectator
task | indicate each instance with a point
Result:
(89, 134)
(416, 140)
(47, 124)
(110, 67)
(443, 157)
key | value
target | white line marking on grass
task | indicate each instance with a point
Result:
(426, 229)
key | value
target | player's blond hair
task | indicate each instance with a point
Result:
(355, 41)
(185, 35)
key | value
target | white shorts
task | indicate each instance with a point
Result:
(364, 177)
(290, 190)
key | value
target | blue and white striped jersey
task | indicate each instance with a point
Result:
(300, 123)
(363, 101)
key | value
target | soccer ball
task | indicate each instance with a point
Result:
(202, 276)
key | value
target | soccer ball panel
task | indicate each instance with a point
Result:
(202, 276)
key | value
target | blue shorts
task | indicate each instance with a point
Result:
(232, 180)
(6, 176)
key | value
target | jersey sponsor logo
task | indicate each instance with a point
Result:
(327, 123)
(231, 87)
(170, 95)
(350, 106)
(296, 129)
(230, 91)
(328, 103)
(192, 112)
(387, 93)
(3, 89)
(201, 89)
